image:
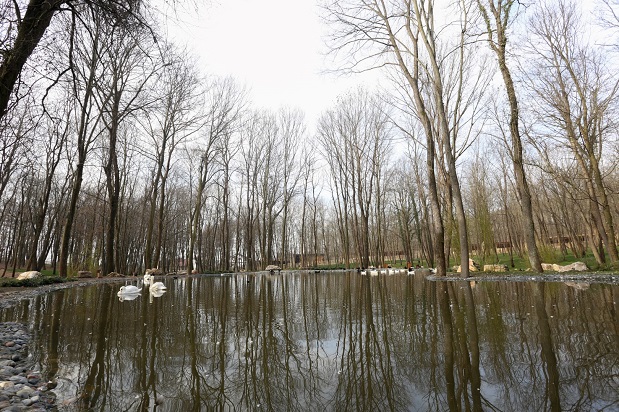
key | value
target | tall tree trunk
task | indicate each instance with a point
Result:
(238, 236)
(500, 14)
(112, 184)
(445, 137)
(70, 216)
(611, 243)
(303, 246)
(160, 226)
(225, 229)
(194, 224)
(43, 202)
(150, 227)
(284, 240)
(47, 241)
(82, 151)
(412, 77)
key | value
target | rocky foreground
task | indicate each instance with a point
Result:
(21, 388)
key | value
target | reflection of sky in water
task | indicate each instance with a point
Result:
(327, 348)
(328, 342)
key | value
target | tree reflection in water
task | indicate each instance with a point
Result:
(329, 342)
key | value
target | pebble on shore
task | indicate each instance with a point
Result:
(21, 388)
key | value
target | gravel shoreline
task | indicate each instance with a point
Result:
(11, 296)
(21, 388)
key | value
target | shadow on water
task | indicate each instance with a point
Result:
(329, 342)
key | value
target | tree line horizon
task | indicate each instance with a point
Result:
(497, 134)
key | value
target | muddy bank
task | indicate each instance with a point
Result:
(10, 296)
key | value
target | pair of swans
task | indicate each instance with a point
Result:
(131, 292)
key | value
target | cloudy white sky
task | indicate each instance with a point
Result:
(275, 47)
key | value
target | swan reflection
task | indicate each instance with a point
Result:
(128, 296)
(156, 293)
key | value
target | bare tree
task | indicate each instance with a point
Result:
(354, 138)
(497, 16)
(15, 138)
(224, 109)
(403, 35)
(292, 133)
(57, 131)
(308, 172)
(128, 69)
(270, 193)
(609, 17)
(577, 94)
(227, 148)
(25, 24)
(85, 71)
(252, 153)
(170, 119)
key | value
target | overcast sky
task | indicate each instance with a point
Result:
(275, 47)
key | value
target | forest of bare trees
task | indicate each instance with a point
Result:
(496, 136)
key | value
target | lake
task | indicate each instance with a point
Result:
(329, 341)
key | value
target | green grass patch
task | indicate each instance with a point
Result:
(48, 272)
(548, 255)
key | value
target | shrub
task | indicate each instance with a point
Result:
(41, 281)
(550, 254)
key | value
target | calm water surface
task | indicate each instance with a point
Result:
(330, 342)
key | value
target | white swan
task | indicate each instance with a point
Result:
(148, 278)
(129, 290)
